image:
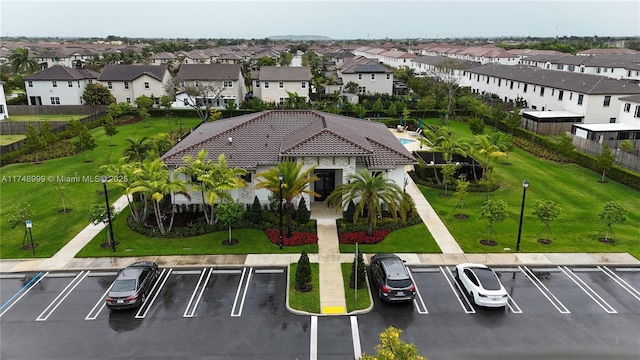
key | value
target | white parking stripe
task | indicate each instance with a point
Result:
(155, 290)
(548, 294)
(187, 272)
(97, 308)
(227, 271)
(457, 293)
(269, 271)
(588, 290)
(620, 281)
(355, 336)
(418, 300)
(512, 306)
(189, 311)
(238, 312)
(24, 293)
(313, 348)
(63, 295)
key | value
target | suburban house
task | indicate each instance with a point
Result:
(396, 59)
(220, 84)
(128, 82)
(337, 145)
(273, 83)
(595, 98)
(58, 85)
(627, 127)
(371, 77)
(69, 57)
(424, 65)
(623, 66)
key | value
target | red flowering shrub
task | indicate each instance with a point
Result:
(297, 237)
(361, 237)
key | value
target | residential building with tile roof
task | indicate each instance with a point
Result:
(625, 67)
(337, 145)
(272, 83)
(371, 77)
(58, 85)
(128, 82)
(226, 82)
(594, 97)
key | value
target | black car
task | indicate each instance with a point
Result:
(132, 285)
(392, 278)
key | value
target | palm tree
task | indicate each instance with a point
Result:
(448, 148)
(124, 175)
(21, 62)
(218, 181)
(137, 148)
(154, 182)
(295, 182)
(194, 168)
(372, 193)
(490, 147)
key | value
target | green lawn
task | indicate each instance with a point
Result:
(576, 189)
(356, 299)
(413, 239)
(130, 243)
(51, 118)
(305, 301)
(37, 184)
(10, 139)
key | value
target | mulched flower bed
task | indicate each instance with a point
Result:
(361, 237)
(297, 237)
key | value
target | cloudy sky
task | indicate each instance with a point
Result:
(351, 19)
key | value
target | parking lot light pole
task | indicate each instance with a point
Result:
(525, 185)
(103, 179)
(280, 179)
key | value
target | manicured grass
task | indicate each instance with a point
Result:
(577, 190)
(37, 184)
(363, 300)
(305, 301)
(10, 139)
(251, 241)
(51, 118)
(412, 239)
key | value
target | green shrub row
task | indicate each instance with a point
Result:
(540, 151)
(386, 223)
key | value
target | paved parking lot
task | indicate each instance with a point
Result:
(240, 313)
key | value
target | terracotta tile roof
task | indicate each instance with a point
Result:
(264, 138)
(59, 72)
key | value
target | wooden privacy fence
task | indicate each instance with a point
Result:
(630, 161)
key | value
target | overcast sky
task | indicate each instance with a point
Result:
(336, 19)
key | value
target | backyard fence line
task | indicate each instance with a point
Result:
(627, 160)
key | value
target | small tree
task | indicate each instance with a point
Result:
(494, 211)
(357, 267)
(447, 174)
(85, 141)
(547, 211)
(303, 273)
(566, 148)
(19, 214)
(351, 87)
(302, 213)
(255, 212)
(391, 347)
(605, 161)
(612, 213)
(110, 128)
(627, 146)
(34, 142)
(97, 94)
(47, 135)
(348, 214)
(98, 214)
(476, 125)
(461, 192)
(513, 121)
(144, 102)
(228, 214)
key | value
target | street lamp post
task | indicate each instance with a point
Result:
(280, 178)
(525, 185)
(103, 179)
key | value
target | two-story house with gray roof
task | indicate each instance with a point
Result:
(128, 82)
(371, 77)
(337, 145)
(273, 83)
(220, 83)
(594, 98)
(58, 85)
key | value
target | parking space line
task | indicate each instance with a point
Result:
(97, 308)
(155, 290)
(546, 292)
(588, 290)
(187, 272)
(269, 271)
(191, 311)
(12, 276)
(620, 281)
(22, 292)
(313, 347)
(418, 300)
(469, 309)
(238, 311)
(425, 270)
(105, 273)
(355, 336)
(227, 271)
(62, 296)
(513, 306)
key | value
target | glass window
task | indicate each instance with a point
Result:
(637, 112)
(580, 99)
(109, 85)
(258, 83)
(54, 83)
(146, 84)
(560, 94)
(266, 84)
(627, 107)
(128, 100)
(70, 83)
(359, 76)
(30, 83)
(281, 85)
(373, 76)
(303, 84)
(607, 101)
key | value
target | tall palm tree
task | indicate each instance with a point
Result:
(125, 176)
(21, 62)
(448, 147)
(218, 181)
(490, 148)
(295, 182)
(154, 181)
(372, 193)
(194, 168)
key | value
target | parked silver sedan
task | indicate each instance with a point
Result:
(482, 285)
(132, 285)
